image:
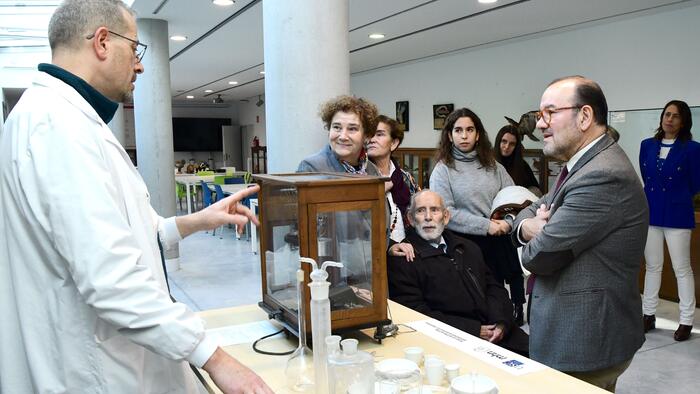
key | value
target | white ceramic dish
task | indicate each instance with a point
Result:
(395, 374)
(473, 384)
(423, 390)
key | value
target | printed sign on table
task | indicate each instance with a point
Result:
(477, 347)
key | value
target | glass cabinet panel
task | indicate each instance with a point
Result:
(325, 217)
(282, 256)
(346, 237)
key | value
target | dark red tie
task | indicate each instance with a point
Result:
(562, 175)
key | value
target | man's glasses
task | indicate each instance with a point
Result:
(546, 114)
(139, 51)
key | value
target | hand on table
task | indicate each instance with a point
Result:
(232, 377)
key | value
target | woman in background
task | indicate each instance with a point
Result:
(670, 166)
(509, 152)
(468, 178)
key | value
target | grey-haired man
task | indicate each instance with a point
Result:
(83, 296)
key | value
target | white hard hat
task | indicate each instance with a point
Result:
(510, 200)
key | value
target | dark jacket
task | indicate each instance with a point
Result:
(670, 190)
(456, 288)
(519, 170)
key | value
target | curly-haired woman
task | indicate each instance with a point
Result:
(349, 121)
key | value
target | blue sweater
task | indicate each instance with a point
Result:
(670, 190)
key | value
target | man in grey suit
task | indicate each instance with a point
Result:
(584, 242)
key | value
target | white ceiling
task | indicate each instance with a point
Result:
(226, 43)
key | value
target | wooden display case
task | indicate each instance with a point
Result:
(419, 162)
(324, 216)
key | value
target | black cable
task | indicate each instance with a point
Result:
(270, 353)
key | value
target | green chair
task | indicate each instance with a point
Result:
(221, 179)
(180, 192)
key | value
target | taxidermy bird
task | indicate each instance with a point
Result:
(526, 126)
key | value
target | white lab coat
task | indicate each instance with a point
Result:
(84, 306)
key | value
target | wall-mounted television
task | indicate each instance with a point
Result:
(198, 134)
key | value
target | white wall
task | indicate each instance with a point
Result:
(640, 62)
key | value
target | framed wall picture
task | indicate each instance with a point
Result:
(402, 114)
(440, 112)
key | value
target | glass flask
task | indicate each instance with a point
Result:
(300, 365)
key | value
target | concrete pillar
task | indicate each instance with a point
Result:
(153, 123)
(117, 125)
(306, 63)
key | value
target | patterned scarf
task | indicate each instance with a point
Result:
(361, 167)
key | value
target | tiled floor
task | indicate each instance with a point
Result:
(216, 272)
(222, 272)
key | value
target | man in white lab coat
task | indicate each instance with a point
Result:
(84, 304)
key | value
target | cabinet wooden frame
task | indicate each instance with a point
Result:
(344, 193)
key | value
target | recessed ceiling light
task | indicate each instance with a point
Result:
(208, 91)
(487, 1)
(233, 82)
(223, 3)
(262, 72)
(190, 97)
(376, 36)
(178, 38)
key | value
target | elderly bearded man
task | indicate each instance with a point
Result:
(448, 279)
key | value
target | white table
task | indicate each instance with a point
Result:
(236, 187)
(190, 180)
(271, 368)
(253, 202)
